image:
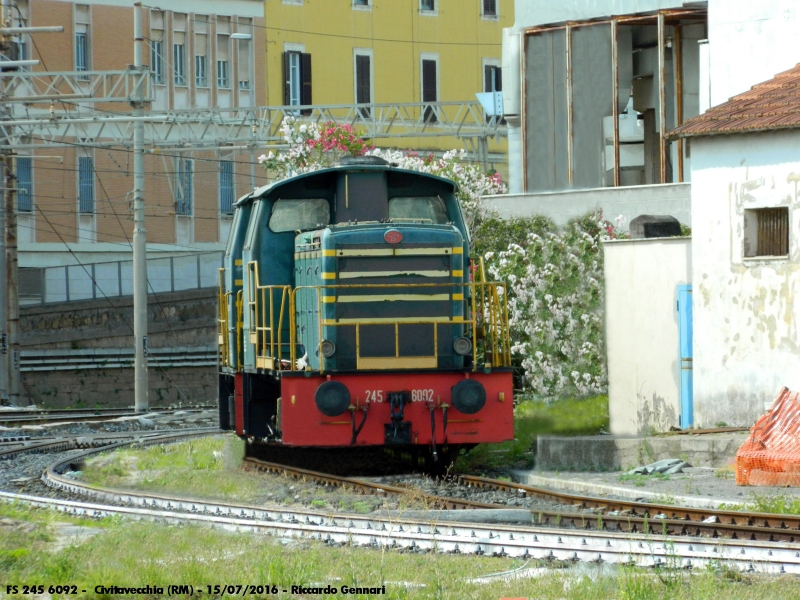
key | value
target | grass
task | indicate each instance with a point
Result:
(568, 417)
(134, 554)
(640, 480)
(204, 468)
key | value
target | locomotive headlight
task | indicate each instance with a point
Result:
(462, 346)
(468, 396)
(328, 348)
(332, 398)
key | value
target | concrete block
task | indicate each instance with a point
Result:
(611, 453)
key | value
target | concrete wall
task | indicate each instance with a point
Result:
(670, 199)
(746, 323)
(641, 282)
(176, 319)
(113, 388)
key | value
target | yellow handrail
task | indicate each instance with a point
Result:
(488, 316)
(487, 300)
(262, 330)
(222, 321)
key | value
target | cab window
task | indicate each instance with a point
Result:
(299, 215)
(429, 209)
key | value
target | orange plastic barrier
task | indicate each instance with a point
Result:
(771, 455)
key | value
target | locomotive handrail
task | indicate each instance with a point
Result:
(262, 318)
(487, 296)
(222, 321)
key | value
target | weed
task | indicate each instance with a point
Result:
(532, 418)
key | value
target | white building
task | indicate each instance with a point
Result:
(599, 87)
(746, 250)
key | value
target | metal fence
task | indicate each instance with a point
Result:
(115, 279)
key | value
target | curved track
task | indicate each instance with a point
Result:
(663, 545)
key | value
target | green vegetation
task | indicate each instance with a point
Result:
(588, 416)
(640, 480)
(132, 554)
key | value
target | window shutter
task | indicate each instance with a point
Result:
(287, 84)
(305, 74)
(200, 45)
(179, 38)
(429, 81)
(24, 185)
(244, 60)
(86, 184)
(362, 79)
(223, 47)
(156, 19)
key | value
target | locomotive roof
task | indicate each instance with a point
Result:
(258, 192)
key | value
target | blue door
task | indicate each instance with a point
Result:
(685, 356)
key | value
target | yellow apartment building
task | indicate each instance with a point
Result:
(327, 52)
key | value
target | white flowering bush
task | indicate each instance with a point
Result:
(555, 280)
(312, 146)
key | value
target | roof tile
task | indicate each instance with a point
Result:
(771, 105)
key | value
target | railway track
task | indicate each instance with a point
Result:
(60, 443)
(15, 418)
(633, 517)
(660, 543)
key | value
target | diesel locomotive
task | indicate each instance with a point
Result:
(350, 315)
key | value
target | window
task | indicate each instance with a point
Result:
(363, 81)
(299, 215)
(24, 184)
(86, 185)
(361, 3)
(179, 49)
(245, 51)
(157, 60)
(227, 192)
(184, 182)
(19, 18)
(157, 45)
(200, 78)
(427, 5)
(492, 78)
(297, 79)
(429, 87)
(426, 208)
(766, 232)
(200, 50)
(489, 8)
(223, 58)
(82, 53)
(179, 63)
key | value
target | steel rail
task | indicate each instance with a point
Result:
(101, 440)
(674, 546)
(419, 535)
(415, 534)
(648, 518)
(367, 487)
(30, 417)
(786, 525)
(428, 535)
(453, 538)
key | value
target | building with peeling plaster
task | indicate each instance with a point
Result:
(746, 250)
(606, 98)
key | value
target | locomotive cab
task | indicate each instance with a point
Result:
(356, 320)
